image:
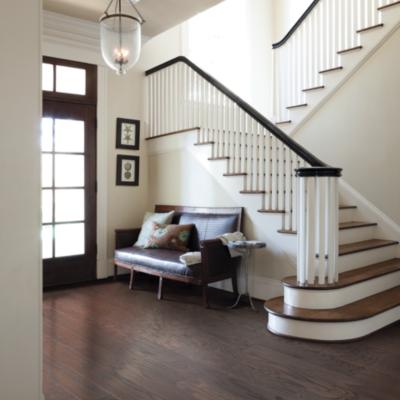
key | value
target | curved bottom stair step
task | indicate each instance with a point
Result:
(350, 322)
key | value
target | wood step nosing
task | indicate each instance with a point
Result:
(297, 106)
(368, 248)
(324, 71)
(203, 143)
(314, 88)
(266, 211)
(350, 49)
(235, 174)
(283, 122)
(396, 3)
(337, 286)
(384, 308)
(369, 28)
(218, 158)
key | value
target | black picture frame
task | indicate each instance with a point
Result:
(122, 141)
(123, 161)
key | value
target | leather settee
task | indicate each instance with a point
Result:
(216, 262)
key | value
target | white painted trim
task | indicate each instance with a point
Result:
(331, 331)
(327, 299)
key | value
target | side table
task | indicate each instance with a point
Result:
(245, 247)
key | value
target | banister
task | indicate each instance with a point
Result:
(293, 29)
(272, 128)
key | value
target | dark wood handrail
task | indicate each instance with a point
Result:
(293, 29)
(278, 133)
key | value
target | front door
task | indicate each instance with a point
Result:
(68, 192)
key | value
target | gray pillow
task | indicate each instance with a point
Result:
(147, 226)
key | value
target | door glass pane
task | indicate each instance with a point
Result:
(69, 170)
(47, 77)
(69, 136)
(47, 241)
(70, 80)
(70, 205)
(47, 206)
(70, 239)
(47, 134)
(47, 170)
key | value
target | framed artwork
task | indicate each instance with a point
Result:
(128, 134)
(127, 170)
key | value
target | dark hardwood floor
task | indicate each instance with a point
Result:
(102, 342)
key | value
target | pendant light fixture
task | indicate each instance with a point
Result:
(121, 35)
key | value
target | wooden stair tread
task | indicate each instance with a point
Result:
(313, 88)
(355, 224)
(364, 245)
(297, 106)
(236, 174)
(342, 226)
(368, 28)
(283, 122)
(218, 158)
(330, 70)
(359, 310)
(350, 49)
(396, 3)
(350, 277)
(346, 207)
(267, 211)
(203, 143)
(253, 192)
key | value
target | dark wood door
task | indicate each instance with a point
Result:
(68, 192)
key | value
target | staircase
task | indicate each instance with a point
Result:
(348, 274)
(327, 45)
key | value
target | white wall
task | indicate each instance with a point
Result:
(286, 13)
(358, 130)
(20, 268)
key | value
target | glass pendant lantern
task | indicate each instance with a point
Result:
(121, 36)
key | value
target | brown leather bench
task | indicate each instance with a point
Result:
(216, 264)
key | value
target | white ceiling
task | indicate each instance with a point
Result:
(160, 15)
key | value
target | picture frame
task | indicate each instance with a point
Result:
(128, 134)
(127, 170)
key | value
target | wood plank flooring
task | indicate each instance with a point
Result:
(102, 342)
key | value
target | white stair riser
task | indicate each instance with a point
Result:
(327, 299)
(331, 331)
(347, 215)
(356, 234)
(357, 260)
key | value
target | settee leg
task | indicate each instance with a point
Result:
(159, 293)
(131, 279)
(235, 285)
(115, 272)
(205, 296)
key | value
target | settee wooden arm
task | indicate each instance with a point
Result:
(126, 237)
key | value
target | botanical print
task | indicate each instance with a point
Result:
(128, 134)
(128, 171)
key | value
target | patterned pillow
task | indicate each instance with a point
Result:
(147, 226)
(171, 237)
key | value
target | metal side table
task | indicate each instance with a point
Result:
(245, 247)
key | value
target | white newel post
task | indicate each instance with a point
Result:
(318, 224)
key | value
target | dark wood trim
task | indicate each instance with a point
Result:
(365, 245)
(287, 232)
(218, 158)
(349, 278)
(283, 122)
(173, 133)
(396, 3)
(203, 143)
(251, 111)
(267, 211)
(294, 28)
(118, 180)
(252, 192)
(345, 207)
(118, 136)
(90, 98)
(316, 171)
(296, 106)
(235, 174)
(355, 224)
(349, 50)
(369, 28)
(314, 88)
(324, 71)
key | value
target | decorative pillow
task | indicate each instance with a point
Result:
(147, 226)
(171, 237)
